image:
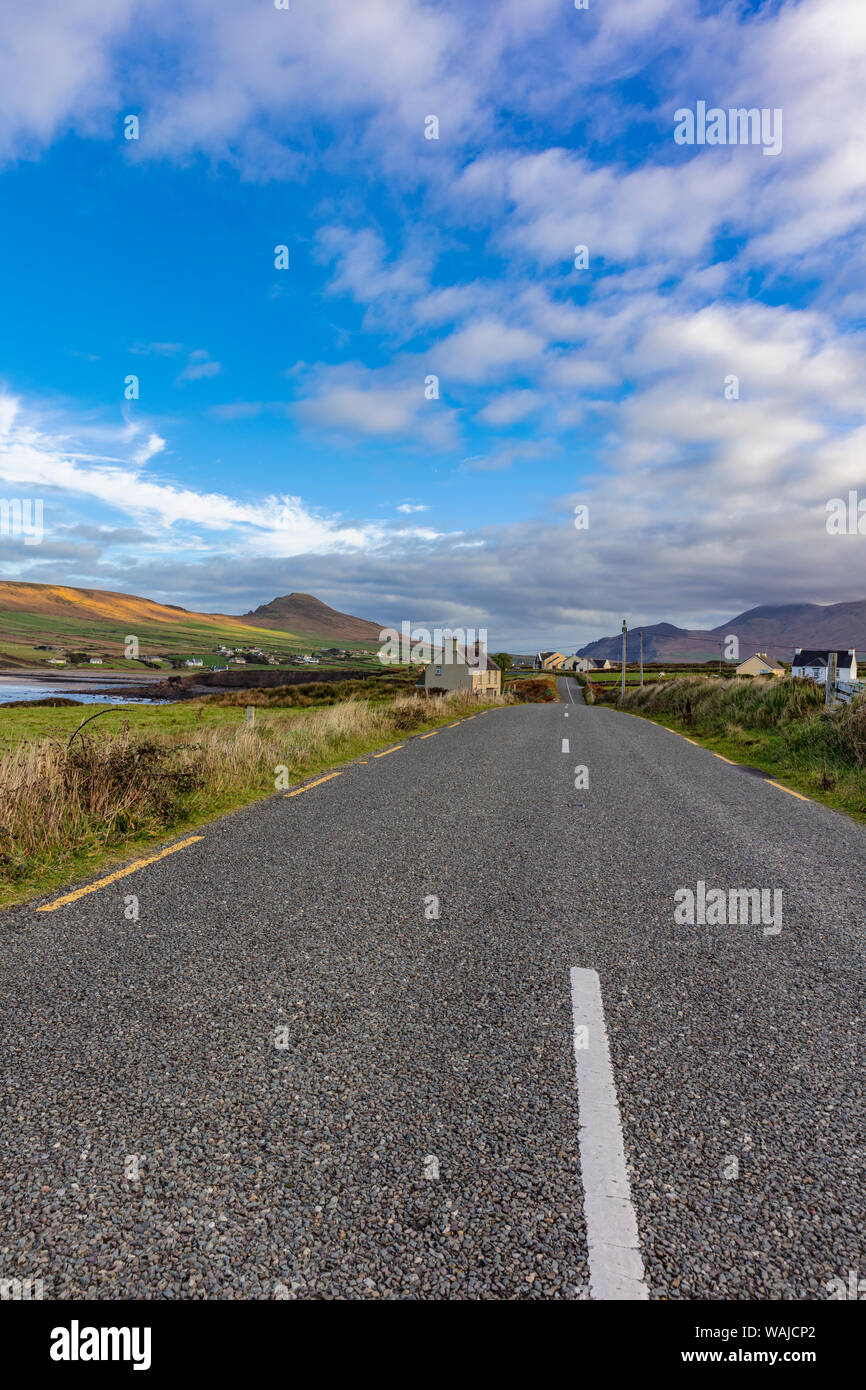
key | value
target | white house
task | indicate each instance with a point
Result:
(578, 663)
(194, 661)
(813, 665)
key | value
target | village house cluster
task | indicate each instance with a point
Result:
(231, 656)
(806, 664)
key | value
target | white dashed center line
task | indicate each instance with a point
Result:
(615, 1262)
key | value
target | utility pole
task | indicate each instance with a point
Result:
(830, 687)
(624, 630)
(641, 657)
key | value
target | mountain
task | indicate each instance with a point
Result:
(98, 621)
(60, 601)
(772, 628)
(303, 613)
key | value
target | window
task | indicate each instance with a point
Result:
(439, 670)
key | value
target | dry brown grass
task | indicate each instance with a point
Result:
(62, 805)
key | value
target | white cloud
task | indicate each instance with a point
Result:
(276, 525)
(199, 366)
(506, 453)
(715, 500)
(57, 71)
(154, 444)
(510, 408)
(485, 350)
(388, 403)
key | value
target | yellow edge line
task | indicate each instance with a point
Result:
(433, 735)
(769, 781)
(454, 726)
(317, 783)
(121, 873)
(798, 795)
(388, 750)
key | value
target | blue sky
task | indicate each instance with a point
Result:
(282, 439)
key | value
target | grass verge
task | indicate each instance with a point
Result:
(778, 725)
(70, 811)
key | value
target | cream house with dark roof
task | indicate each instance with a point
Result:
(548, 661)
(759, 665)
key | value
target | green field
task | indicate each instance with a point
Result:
(24, 725)
(20, 633)
(30, 721)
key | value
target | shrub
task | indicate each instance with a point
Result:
(534, 690)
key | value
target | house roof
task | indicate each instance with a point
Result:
(819, 658)
(764, 660)
(470, 656)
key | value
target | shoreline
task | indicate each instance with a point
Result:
(69, 676)
(154, 685)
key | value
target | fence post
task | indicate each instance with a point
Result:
(830, 687)
(251, 716)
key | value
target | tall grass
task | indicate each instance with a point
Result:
(61, 805)
(307, 694)
(780, 721)
(715, 705)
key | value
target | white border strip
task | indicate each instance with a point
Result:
(615, 1264)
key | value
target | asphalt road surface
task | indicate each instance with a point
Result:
(291, 1078)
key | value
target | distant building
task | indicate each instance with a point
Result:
(812, 664)
(578, 663)
(194, 661)
(759, 665)
(548, 661)
(96, 661)
(462, 668)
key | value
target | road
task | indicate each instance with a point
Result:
(290, 1078)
